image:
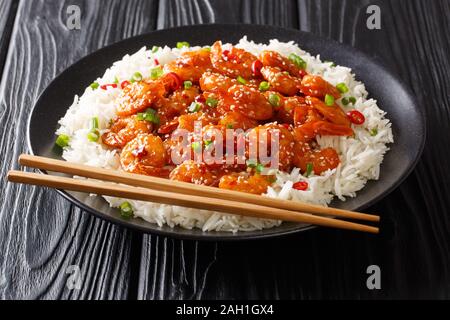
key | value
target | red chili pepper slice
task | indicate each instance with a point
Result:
(301, 185)
(124, 84)
(156, 61)
(256, 68)
(356, 117)
(105, 86)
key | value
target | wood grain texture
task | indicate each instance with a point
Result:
(412, 252)
(8, 9)
(41, 234)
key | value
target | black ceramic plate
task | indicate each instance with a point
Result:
(392, 95)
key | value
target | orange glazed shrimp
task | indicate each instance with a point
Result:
(274, 59)
(316, 86)
(139, 96)
(246, 100)
(145, 154)
(123, 130)
(280, 81)
(232, 63)
(192, 172)
(332, 113)
(256, 184)
(191, 65)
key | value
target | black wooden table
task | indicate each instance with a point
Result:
(44, 238)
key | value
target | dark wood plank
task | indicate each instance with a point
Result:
(41, 234)
(413, 250)
(8, 9)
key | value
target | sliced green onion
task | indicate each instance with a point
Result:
(299, 62)
(374, 132)
(62, 140)
(259, 168)
(251, 163)
(207, 48)
(196, 146)
(229, 126)
(116, 80)
(274, 100)
(183, 44)
(156, 72)
(140, 116)
(352, 100)
(93, 136)
(329, 100)
(241, 80)
(93, 124)
(155, 49)
(342, 87)
(309, 169)
(187, 84)
(94, 85)
(137, 76)
(194, 107)
(264, 86)
(126, 210)
(208, 143)
(345, 101)
(212, 102)
(332, 63)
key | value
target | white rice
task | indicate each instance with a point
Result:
(361, 155)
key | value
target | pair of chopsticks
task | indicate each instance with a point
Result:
(146, 188)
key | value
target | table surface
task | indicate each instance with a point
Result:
(42, 234)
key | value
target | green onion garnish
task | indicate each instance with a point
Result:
(241, 80)
(137, 76)
(207, 48)
(345, 101)
(329, 100)
(194, 107)
(274, 100)
(229, 126)
(183, 44)
(155, 49)
(332, 63)
(196, 146)
(259, 168)
(94, 85)
(126, 210)
(149, 115)
(211, 102)
(187, 84)
(342, 87)
(62, 140)
(251, 163)
(374, 132)
(309, 169)
(208, 143)
(264, 86)
(93, 124)
(116, 80)
(93, 136)
(352, 100)
(299, 62)
(156, 72)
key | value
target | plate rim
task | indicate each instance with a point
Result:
(243, 235)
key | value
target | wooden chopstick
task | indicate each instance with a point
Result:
(185, 188)
(186, 200)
